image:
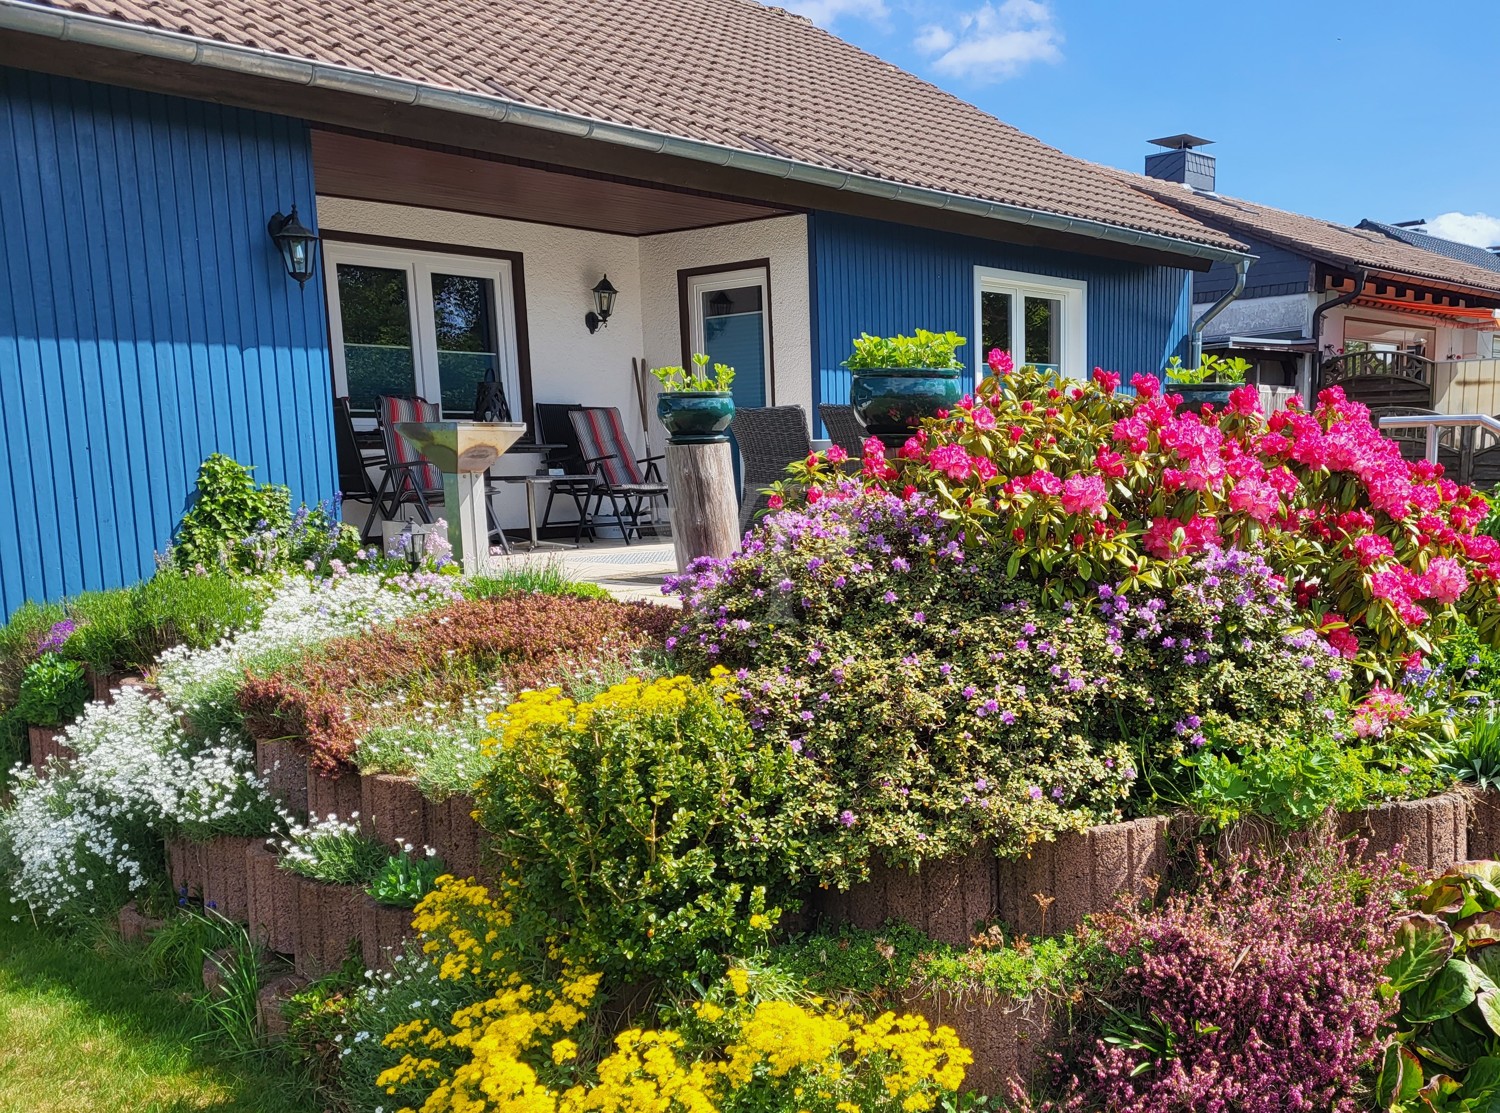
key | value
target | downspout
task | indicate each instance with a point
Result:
(1195, 338)
(1361, 276)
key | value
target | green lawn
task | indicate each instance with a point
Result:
(84, 1029)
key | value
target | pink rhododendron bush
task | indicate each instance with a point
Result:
(1078, 483)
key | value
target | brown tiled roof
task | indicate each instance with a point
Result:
(730, 72)
(1323, 240)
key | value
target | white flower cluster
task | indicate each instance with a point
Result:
(302, 612)
(304, 846)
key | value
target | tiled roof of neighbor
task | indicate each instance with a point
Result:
(1338, 244)
(1451, 248)
(730, 72)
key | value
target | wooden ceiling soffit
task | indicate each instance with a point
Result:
(371, 169)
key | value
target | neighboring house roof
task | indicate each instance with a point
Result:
(1451, 248)
(732, 73)
(1323, 240)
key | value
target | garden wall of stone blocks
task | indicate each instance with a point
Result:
(316, 924)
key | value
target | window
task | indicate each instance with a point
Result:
(1037, 320)
(419, 324)
(728, 319)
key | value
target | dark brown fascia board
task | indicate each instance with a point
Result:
(406, 121)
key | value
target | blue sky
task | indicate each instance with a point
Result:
(1342, 109)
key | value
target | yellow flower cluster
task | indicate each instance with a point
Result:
(461, 928)
(518, 1051)
(537, 712)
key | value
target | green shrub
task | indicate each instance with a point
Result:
(934, 703)
(20, 641)
(240, 526)
(548, 579)
(404, 880)
(649, 825)
(53, 691)
(127, 629)
(884, 967)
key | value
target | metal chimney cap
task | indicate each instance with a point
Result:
(1183, 142)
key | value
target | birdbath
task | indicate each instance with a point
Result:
(463, 451)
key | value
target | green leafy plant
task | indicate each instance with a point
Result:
(1444, 1052)
(677, 379)
(241, 526)
(53, 691)
(1475, 755)
(1294, 783)
(931, 351)
(1210, 369)
(404, 880)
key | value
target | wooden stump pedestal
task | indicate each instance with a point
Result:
(705, 506)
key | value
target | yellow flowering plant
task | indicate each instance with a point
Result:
(649, 825)
(533, 1047)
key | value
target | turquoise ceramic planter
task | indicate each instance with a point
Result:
(695, 416)
(1194, 395)
(891, 402)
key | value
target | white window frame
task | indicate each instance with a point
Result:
(420, 266)
(700, 284)
(1072, 293)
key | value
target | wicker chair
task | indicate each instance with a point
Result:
(843, 429)
(769, 438)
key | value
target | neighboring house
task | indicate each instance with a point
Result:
(749, 184)
(1486, 257)
(1398, 318)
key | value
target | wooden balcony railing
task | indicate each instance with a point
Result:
(1402, 365)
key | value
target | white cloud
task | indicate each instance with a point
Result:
(825, 12)
(1479, 229)
(995, 41)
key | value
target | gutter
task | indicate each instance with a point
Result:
(1361, 276)
(1195, 337)
(172, 46)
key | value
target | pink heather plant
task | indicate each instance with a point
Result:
(1254, 994)
(1077, 484)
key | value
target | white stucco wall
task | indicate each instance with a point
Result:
(560, 267)
(780, 240)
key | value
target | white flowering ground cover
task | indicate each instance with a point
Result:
(82, 839)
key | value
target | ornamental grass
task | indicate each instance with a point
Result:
(332, 694)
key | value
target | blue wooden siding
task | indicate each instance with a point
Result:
(146, 322)
(871, 276)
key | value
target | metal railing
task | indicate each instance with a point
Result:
(1435, 425)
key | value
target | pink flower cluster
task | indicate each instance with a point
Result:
(1082, 478)
(1377, 711)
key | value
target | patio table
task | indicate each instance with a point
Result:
(585, 483)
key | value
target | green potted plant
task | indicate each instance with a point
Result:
(897, 381)
(695, 407)
(1210, 382)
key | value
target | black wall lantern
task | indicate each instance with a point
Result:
(295, 242)
(604, 304)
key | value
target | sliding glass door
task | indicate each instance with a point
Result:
(418, 324)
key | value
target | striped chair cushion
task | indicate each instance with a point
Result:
(391, 412)
(601, 433)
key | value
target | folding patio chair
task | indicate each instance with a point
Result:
(409, 479)
(770, 438)
(354, 480)
(617, 473)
